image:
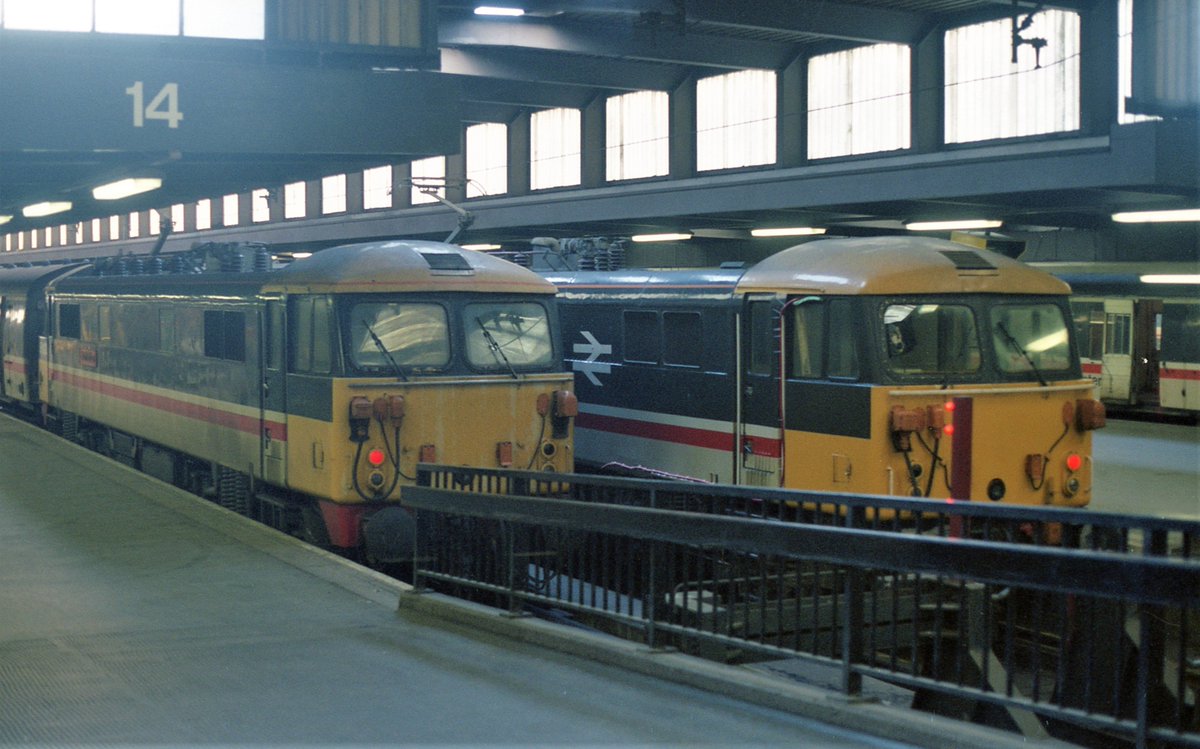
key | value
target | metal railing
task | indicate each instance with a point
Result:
(1066, 621)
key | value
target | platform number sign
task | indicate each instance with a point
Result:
(164, 105)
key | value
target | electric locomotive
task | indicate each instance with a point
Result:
(303, 395)
(886, 365)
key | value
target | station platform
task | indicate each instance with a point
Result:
(132, 613)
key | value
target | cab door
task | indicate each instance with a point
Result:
(1117, 363)
(759, 439)
(273, 393)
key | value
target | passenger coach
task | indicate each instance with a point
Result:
(304, 395)
(895, 365)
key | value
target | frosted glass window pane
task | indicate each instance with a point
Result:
(135, 230)
(114, 227)
(295, 199)
(138, 17)
(428, 173)
(859, 101)
(989, 97)
(637, 135)
(554, 139)
(1125, 64)
(229, 210)
(735, 120)
(155, 224)
(377, 187)
(260, 206)
(333, 194)
(41, 15)
(62, 234)
(203, 214)
(487, 159)
(226, 19)
(177, 217)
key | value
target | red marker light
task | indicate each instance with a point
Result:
(949, 405)
(1074, 462)
(948, 430)
(376, 457)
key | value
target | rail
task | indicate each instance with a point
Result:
(1065, 622)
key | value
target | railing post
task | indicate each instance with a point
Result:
(1151, 644)
(651, 603)
(852, 617)
(509, 536)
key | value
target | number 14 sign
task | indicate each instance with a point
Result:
(164, 105)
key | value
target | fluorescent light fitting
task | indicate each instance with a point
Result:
(123, 188)
(788, 231)
(499, 10)
(971, 223)
(300, 255)
(1139, 217)
(480, 247)
(670, 237)
(5, 219)
(37, 210)
(1171, 278)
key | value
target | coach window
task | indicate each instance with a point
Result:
(682, 342)
(808, 340)
(843, 356)
(643, 337)
(68, 321)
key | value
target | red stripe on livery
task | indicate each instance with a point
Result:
(705, 438)
(1179, 374)
(227, 419)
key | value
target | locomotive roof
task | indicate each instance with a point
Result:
(22, 278)
(895, 265)
(405, 265)
(868, 265)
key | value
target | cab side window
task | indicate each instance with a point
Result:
(843, 354)
(310, 338)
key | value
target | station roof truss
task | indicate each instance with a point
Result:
(340, 108)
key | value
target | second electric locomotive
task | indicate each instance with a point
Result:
(887, 365)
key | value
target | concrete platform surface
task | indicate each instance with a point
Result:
(135, 614)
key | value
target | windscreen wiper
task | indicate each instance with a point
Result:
(495, 347)
(1008, 337)
(384, 350)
